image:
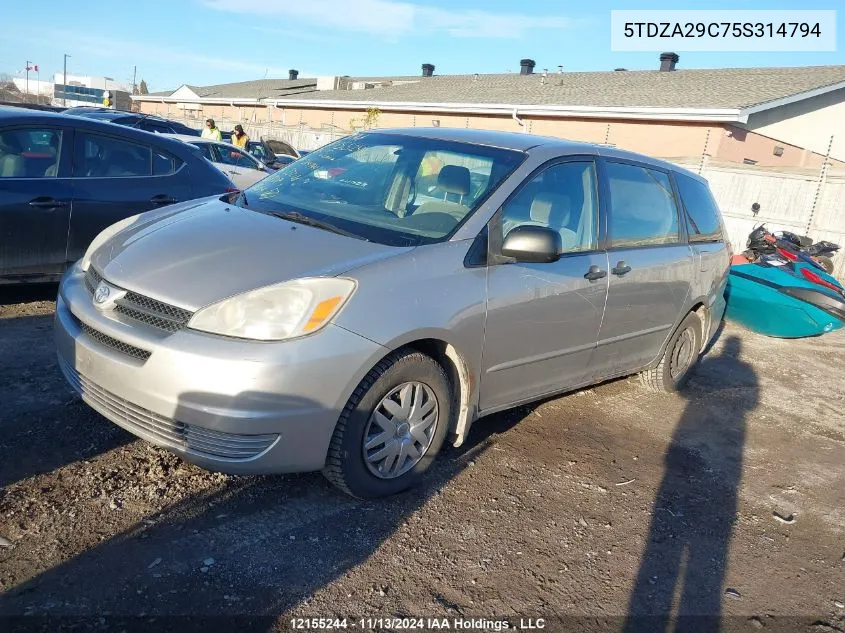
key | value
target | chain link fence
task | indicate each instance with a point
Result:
(299, 136)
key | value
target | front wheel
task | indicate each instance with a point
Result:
(678, 359)
(391, 428)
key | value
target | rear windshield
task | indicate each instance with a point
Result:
(388, 188)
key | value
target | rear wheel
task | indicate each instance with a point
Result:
(679, 357)
(391, 428)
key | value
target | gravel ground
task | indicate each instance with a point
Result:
(727, 500)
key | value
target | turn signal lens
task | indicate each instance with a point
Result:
(324, 310)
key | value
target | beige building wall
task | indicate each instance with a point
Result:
(662, 139)
(808, 123)
(738, 145)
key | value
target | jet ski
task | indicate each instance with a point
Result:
(782, 295)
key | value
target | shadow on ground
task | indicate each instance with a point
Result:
(684, 563)
(10, 295)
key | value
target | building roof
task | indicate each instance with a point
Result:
(256, 89)
(723, 94)
(717, 88)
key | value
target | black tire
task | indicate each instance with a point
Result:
(668, 376)
(345, 466)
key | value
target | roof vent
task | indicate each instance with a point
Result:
(293, 74)
(428, 70)
(526, 66)
(668, 61)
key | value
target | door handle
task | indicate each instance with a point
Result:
(621, 269)
(162, 199)
(45, 202)
(595, 273)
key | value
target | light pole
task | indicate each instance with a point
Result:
(26, 98)
(64, 83)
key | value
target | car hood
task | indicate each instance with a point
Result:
(206, 252)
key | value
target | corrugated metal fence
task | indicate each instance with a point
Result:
(300, 136)
(804, 204)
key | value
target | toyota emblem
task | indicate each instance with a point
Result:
(102, 294)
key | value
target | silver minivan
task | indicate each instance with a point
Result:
(369, 302)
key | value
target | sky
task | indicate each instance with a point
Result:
(205, 42)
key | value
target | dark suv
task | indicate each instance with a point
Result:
(63, 179)
(144, 122)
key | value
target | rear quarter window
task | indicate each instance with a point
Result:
(701, 211)
(164, 163)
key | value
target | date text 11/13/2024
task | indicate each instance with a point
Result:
(418, 624)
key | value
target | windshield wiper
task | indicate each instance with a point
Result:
(301, 218)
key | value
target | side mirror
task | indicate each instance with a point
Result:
(537, 244)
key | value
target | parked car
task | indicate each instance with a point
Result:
(240, 166)
(282, 149)
(33, 106)
(145, 122)
(273, 153)
(268, 151)
(353, 324)
(261, 151)
(63, 179)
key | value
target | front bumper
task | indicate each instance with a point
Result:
(227, 405)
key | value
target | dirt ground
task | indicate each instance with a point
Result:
(588, 511)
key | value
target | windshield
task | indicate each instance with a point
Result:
(387, 188)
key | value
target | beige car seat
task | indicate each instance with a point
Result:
(553, 210)
(452, 179)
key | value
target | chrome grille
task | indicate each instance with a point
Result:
(157, 314)
(92, 279)
(154, 313)
(113, 343)
(165, 431)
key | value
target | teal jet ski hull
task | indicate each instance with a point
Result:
(778, 301)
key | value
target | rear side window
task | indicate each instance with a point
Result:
(98, 156)
(164, 163)
(30, 152)
(702, 213)
(642, 206)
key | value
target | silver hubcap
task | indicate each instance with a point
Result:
(682, 354)
(400, 430)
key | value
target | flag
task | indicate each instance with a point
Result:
(35, 68)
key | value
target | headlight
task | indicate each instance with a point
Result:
(105, 235)
(286, 310)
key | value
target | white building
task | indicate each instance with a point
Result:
(84, 90)
(43, 88)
